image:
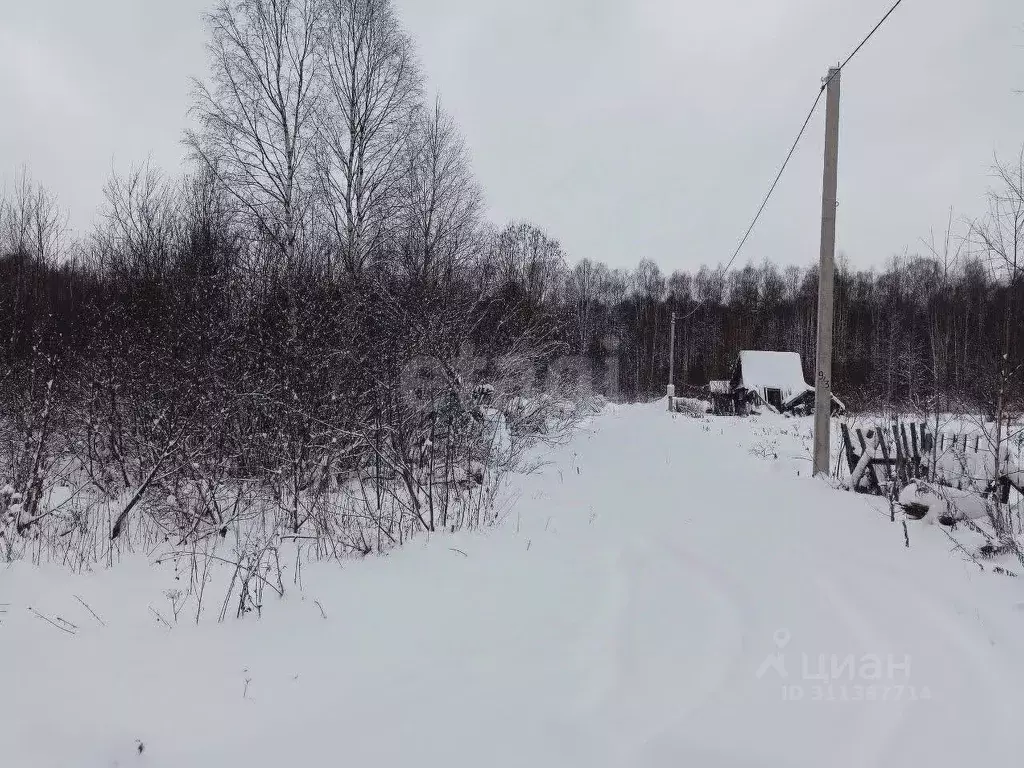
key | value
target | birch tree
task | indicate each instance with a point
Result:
(256, 116)
(582, 286)
(373, 89)
(439, 199)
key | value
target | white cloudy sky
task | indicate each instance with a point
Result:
(627, 128)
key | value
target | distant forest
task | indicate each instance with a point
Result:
(918, 327)
(924, 324)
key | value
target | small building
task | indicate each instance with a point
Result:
(773, 380)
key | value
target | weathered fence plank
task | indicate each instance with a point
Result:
(913, 455)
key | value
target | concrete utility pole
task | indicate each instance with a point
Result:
(672, 361)
(823, 373)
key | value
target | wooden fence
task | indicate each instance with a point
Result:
(901, 452)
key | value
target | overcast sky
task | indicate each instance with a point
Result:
(627, 128)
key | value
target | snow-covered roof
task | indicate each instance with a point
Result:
(779, 370)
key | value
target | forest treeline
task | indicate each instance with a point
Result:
(924, 324)
(919, 327)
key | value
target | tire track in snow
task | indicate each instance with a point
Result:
(855, 602)
(722, 664)
(637, 650)
(877, 724)
(743, 606)
(945, 615)
(602, 641)
(936, 610)
(874, 727)
(969, 682)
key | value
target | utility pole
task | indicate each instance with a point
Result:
(823, 372)
(672, 362)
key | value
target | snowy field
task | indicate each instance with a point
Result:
(666, 591)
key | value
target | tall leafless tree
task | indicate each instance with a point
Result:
(1001, 237)
(34, 234)
(439, 200)
(32, 222)
(582, 286)
(256, 117)
(373, 90)
(528, 256)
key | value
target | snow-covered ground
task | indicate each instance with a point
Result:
(668, 591)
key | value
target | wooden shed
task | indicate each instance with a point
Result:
(773, 380)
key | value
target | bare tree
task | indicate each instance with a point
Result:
(582, 286)
(257, 117)
(440, 201)
(34, 236)
(945, 257)
(31, 221)
(530, 257)
(373, 87)
(1001, 238)
(139, 222)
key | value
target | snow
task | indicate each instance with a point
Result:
(942, 501)
(954, 465)
(668, 591)
(778, 370)
(691, 405)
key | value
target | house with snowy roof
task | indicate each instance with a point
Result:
(773, 380)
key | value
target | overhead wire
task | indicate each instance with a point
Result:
(870, 34)
(803, 129)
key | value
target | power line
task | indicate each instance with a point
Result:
(792, 149)
(775, 183)
(767, 197)
(871, 33)
(863, 42)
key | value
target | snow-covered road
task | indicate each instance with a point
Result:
(658, 596)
